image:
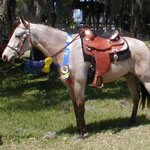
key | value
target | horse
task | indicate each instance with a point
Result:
(51, 42)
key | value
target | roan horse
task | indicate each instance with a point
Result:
(50, 41)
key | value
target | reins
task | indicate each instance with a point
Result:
(67, 44)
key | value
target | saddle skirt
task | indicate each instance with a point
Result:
(101, 48)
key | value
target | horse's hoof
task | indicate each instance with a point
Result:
(80, 138)
(127, 127)
(130, 125)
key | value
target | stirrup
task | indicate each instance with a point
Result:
(98, 81)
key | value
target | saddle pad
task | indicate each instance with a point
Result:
(122, 55)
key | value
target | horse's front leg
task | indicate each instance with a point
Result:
(77, 95)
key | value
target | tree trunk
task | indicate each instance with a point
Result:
(115, 7)
(63, 13)
(134, 17)
(8, 13)
(49, 11)
(59, 13)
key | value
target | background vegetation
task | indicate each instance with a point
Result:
(132, 16)
(36, 112)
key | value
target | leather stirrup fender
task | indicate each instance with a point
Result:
(98, 81)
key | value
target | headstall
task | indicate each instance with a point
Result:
(26, 35)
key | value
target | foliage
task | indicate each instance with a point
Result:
(132, 16)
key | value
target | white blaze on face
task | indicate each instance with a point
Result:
(8, 52)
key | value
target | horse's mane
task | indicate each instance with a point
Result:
(49, 28)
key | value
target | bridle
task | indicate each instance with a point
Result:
(26, 35)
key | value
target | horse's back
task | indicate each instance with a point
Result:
(138, 64)
(140, 52)
(136, 45)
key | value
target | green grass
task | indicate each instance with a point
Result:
(25, 118)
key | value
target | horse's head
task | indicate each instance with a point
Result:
(19, 42)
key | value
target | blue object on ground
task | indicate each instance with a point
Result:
(33, 67)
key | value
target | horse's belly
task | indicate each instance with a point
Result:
(117, 70)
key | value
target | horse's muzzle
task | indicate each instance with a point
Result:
(4, 58)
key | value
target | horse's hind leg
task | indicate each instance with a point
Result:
(132, 85)
(145, 94)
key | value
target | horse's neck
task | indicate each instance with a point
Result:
(48, 40)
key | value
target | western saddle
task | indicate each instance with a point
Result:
(101, 49)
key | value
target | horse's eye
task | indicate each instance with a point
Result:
(17, 36)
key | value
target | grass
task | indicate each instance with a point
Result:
(26, 116)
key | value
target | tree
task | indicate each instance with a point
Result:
(130, 15)
(115, 8)
(8, 15)
(63, 13)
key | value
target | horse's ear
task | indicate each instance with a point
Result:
(22, 21)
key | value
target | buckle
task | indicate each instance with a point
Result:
(115, 58)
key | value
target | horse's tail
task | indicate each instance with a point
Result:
(144, 96)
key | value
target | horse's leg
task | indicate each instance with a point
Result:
(77, 96)
(132, 85)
